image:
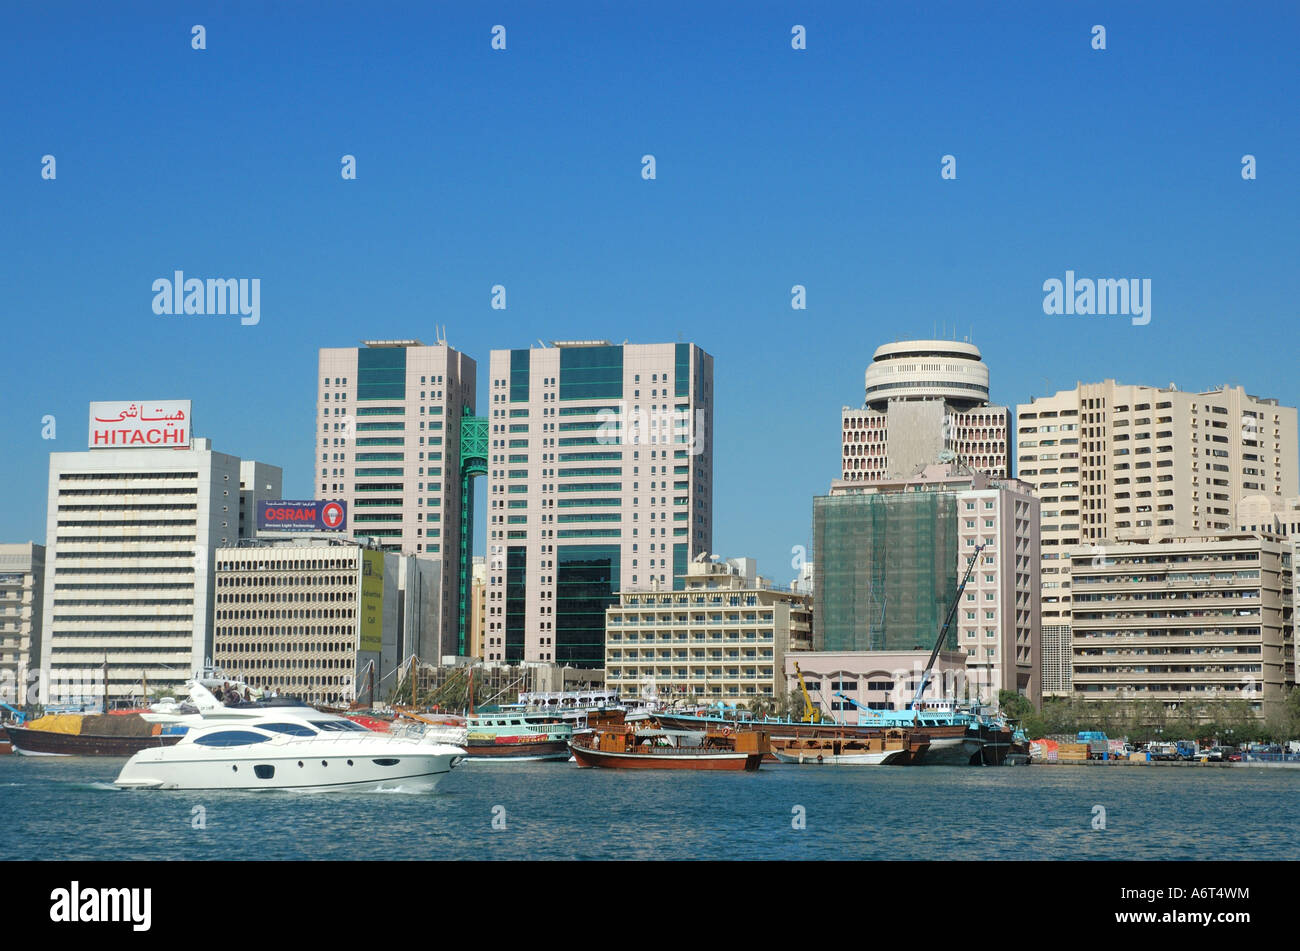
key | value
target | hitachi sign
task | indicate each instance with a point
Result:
(138, 437)
(164, 424)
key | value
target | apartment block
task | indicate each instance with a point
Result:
(22, 587)
(389, 425)
(600, 480)
(924, 399)
(722, 635)
(1181, 620)
(889, 557)
(1113, 462)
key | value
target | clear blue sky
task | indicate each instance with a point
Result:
(775, 167)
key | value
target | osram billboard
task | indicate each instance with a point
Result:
(146, 424)
(302, 516)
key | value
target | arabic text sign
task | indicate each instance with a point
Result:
(314, 516)
(142, 424)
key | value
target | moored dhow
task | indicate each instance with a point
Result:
(895, 747)
(659, 749)
(284, 751)
(71, 734)
(516, 736)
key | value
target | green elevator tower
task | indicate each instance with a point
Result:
(473, 462)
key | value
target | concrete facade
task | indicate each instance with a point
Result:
(287, 616)
(882, 680)
(1180, 620)
(22, 590)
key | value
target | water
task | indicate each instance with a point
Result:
(66, 808)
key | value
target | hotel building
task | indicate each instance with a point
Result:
(389, 428)
(600, 480)
(723, 634)
(924, 398)
(129, 542)
(889, 556)
(1113, 463)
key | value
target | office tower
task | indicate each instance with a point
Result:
(924, 399)
(890, 555)
(390, 418)
(600, 480)
(1113, 463)
(129, 540)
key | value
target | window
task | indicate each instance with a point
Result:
(293, 729)
(231, 738)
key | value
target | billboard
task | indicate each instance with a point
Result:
(302, 516)
(372, 601)
(146, 424)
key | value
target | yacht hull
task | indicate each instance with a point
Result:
(407, 770)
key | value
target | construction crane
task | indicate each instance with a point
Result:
(952, 611)
(811, 714)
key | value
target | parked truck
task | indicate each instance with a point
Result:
(1098, 745)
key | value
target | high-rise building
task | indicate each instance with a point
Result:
(390, 421)
(1113, 463)
(22, 587)
(129, 540)
(924, 398)
(889, 557)
(723, 635)
(600, 480)
(1185, 620)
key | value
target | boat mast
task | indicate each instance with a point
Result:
(952, 611)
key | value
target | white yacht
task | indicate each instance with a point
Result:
(290, 749)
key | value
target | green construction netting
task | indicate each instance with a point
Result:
(886, 570)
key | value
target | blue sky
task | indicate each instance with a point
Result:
(775, 167)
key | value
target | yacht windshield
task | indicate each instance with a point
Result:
(293, 729)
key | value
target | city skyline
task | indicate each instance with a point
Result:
(775, 167)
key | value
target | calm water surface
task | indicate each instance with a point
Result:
(66, 808)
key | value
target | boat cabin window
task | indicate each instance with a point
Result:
(338, 726)
(231, 738)
(293, 729)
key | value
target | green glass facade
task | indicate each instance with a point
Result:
(586, 583)
(516, 601)
(381, 373)
(519, 365)
(886, 570)
(590, 373)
